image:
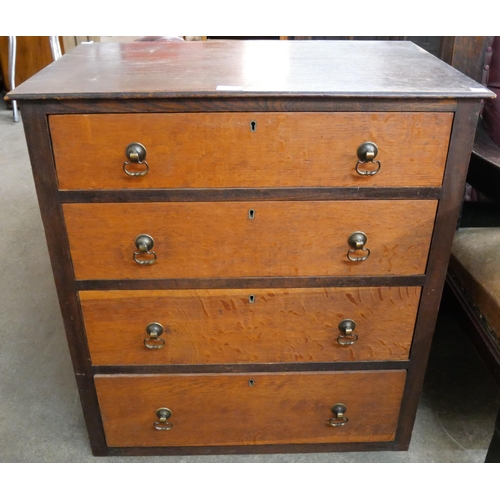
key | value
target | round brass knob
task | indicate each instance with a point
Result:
(144, 244)
(136, 154)
(347, 337)
(357, 242)
(154, 330)
(338, 419)
(367, 153)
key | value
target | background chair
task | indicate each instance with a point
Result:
(474, 269)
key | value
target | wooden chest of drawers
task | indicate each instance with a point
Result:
(249, 239)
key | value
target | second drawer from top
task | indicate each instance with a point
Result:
(237, 239)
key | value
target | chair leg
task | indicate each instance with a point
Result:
(493, 455)
(12, 73)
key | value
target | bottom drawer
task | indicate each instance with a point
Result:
(249, 409)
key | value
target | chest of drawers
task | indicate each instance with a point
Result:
(249, 239)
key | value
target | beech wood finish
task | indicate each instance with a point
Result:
(207, 150)
(213, 240)
(374, 79)
(224, 326)
(264, 408)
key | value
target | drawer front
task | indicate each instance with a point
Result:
(248, 409)
(217, 150)
(218, 240)
(249, 326)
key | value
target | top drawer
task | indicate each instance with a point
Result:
(224, 150)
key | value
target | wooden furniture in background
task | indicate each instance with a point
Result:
(56, 53)
(33, 54)
(215, 299)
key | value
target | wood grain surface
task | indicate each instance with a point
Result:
(215, 409)
(215, 150)
(223, 326)
(214, 240)
(249, 69)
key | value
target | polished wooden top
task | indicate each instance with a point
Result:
(249, 68)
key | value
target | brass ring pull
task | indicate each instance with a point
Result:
(144, 244)
(357, 242)
(136, 153)
(347, 337)
(154, 330)
(138, 173)
(163, 414)
(367, 172)
(338, 420)
(150, 345)
(145, 262)
(366, 154)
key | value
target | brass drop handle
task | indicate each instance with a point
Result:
(357, 242)
(154, 330)
(136, 153)
(144, 244)
(347, 337)
(366, 154)
(163, 415)
(338, 419)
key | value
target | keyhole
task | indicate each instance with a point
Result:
(253, 126)
(251, 299)
(251, 214)
(251, 383)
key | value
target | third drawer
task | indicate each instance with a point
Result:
(296, 325)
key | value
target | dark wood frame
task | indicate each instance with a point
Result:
(35, 115)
